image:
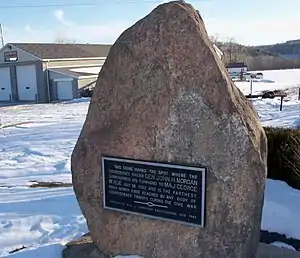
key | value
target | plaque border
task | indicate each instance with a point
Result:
(201, 169)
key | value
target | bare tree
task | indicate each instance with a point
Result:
(231, 43)
(215, 39)
(64, 40)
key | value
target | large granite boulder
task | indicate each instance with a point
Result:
(164, 95)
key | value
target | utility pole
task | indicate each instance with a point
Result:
(1, 35)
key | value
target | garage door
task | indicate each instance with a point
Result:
(64, 90)
(5, 84)
(26, 82)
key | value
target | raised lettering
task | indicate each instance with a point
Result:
(155, 190)
(147, 176)
(141, 170)
(186, 181)
(169, 185)
(127, 168)
(169, 197)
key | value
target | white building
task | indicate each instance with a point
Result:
(236, 68)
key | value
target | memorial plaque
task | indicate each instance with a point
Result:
(157, 190)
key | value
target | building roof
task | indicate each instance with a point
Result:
(61, 51)
(236, 65)
(76, 72)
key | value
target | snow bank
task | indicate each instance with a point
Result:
(37, 217)
(281, 211)
(283, 245)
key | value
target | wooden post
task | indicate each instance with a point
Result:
(281, 102)
(250, 86)
(299, 94)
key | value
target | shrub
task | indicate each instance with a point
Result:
(284, 155)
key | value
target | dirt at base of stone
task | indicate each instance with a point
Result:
(85, 248)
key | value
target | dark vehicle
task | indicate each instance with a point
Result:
(86, 93)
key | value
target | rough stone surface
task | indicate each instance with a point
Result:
(85, 248)
(164, 95)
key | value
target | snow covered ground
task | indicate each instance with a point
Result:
(36, 143)
(268, 109)
(39, 150)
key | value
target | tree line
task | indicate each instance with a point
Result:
(271, 57)
(256, 57)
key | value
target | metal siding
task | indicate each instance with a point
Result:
(5, 84)
(65, 90)
(236, 70)
(74, 63)
(53, 85)
(22, 56)
(27, 82)
(41, 78)
(41, 82)
(76, 93)
(53, 91)
(54, 75)
(13, 78)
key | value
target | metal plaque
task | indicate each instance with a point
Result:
(156, 190)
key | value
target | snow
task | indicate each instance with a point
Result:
(281, 209)
(296, 123)
(268, 109)
(38, 150)
(283, 245)
(36, 142)
(92, 70)
(273, 80)
(44, 251)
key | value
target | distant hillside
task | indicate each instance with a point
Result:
(289, 49)
(266, 57)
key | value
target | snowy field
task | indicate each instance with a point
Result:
(268, 109)
(36, 143)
